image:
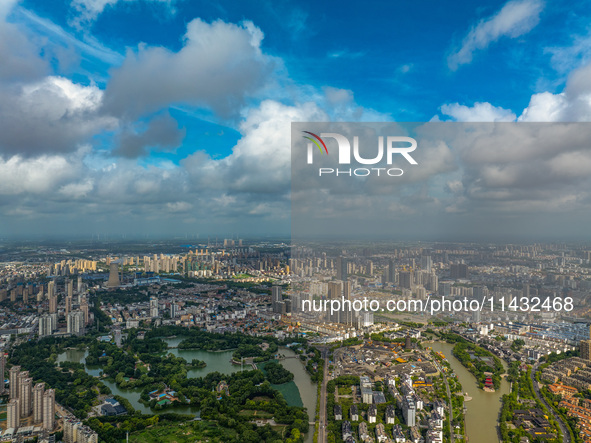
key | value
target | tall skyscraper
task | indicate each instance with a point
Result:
(173, 310)
(50, 289)
(113, 276)
(335, 291)
(585, 349)
(342, 273)
(405, 279)
(391, 272)
(347, 313)
(459, 270)
(25, 386)
(426, 263)
(153, 307)
(69, 288)
(13, 382)
(68, 304)
(75, 322)
(49, 409)
(13, 414)
(79, 285)
(46, 325)
(276, 299)
(52, 304)
(84, 309)
(38, 392)
(2, 369)
(71, 426)
(526, 290)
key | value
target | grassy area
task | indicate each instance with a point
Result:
(344, 390)
(182, 433)
(255, 414)
(242, 276)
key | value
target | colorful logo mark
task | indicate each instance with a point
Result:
(316, 142)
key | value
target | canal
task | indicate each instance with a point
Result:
(483, 410)
(299, 392)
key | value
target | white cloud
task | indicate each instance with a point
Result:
(63, 97)
(260, 161)
(77, 190)
(50, 115)
(219, 65)
(179, 206)
(544, 107)
(516, 17)
(20, 59)
(576, 54)
(41, 175)
(480, 112)
(573, 104)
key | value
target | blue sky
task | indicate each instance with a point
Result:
(392, 55)
(168, 102)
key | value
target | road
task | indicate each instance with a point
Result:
(322, 409)
(563, 427)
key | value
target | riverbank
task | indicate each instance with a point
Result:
(481, 418)
(486, 367)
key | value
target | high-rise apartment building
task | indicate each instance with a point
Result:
(342, 269)
(585, 347)
(405, 279)
(113, 276)
(68, 304)
(49, 409)
(459, 270)
(2, 370)
(13, 414)
(276, 299)
(38, 392)
(13, 382)
(25, 388)
(335, 292)
(84, 309)
(50, 289)
(75, 322)
(45, 326)
(53, 304)
(153, 307)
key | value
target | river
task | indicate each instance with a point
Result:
(300, 392)
(483, 410)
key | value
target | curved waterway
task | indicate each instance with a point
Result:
(483, 410)
(132, 395)
(299, 392)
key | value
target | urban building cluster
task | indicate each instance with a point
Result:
(29, 405)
